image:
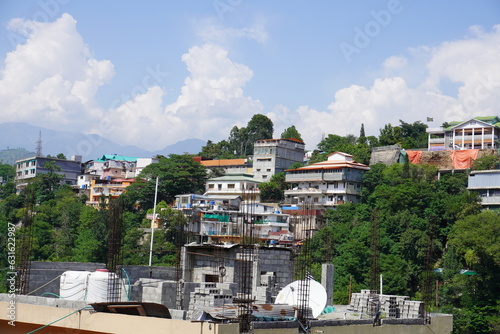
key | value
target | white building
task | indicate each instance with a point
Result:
(487, 184)
(272, 156)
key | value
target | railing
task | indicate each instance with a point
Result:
(490, 200)
(304, 191)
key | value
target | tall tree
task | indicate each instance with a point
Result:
(291, 132)
(178, 174)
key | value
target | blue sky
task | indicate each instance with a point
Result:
(152, 73)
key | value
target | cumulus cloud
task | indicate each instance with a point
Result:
(52, 78)
(211, 31)
(472, 63)
(211, 102)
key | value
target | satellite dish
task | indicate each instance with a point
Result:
(317, 296)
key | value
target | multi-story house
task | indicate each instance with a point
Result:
(268, 225)
(228, 166)
(237, 184)
(29, 168)
(107, 189)
(112, 166)
(319, 186)
(487, 184)
(476, 133)
(327, 183)
(272, 156)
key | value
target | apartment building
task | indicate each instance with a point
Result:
(328, 183)
(272, 156)
(106, 189)
(476, 133)
(229, 166)
(29, 168)
(234, 184)
(487, 184)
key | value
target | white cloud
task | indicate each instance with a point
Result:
(52, 78)
(394, 63)
(211, 31)
(210, 104)
(472, 63)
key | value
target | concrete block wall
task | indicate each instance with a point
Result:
(43, 272)
(278, 262)
(212, 295)
(391, 306)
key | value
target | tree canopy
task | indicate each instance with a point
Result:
(290, 133)
(177, 174)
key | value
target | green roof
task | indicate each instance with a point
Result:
(493, 120)
(107, 157)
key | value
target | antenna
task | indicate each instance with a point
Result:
(38, 149)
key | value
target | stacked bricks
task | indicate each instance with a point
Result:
(211, 295)
(390, 306)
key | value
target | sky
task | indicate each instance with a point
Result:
(152, 73)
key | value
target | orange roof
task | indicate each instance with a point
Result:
(222, 162)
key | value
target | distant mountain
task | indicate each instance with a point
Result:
(191, 146)
(22, 135)
(9, 156)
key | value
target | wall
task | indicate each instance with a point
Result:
(43, 272)
(30, 317)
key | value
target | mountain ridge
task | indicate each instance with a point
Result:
(14, 135)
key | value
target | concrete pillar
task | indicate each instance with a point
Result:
(327, 272)
(256, 270)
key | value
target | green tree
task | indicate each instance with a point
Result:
(389, 135)
(273, 191)
(61, 156)
(291, 132)
(486, 162)
(177, 174)
(413, 135)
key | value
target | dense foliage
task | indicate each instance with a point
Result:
(241, 140)
(405, 199)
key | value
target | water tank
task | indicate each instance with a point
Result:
(97, 291)
(73, 285)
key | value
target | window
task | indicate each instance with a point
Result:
(230, 186)
(26, 172)
(219, 186)
(211, 186)
(264, 176)
(258, 169)
(268, 170)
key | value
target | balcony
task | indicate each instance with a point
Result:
(491, 200)
(304, 191)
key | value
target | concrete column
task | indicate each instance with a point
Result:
(255, 271)
(327, 272)
(482, 138)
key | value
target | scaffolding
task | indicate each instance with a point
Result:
(246, 257)
(26, 243)
(114, 260)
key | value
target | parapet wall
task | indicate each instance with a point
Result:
(42, 273)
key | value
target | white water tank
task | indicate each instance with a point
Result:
(73, 285)
(97, 290)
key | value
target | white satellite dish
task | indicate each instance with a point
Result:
(317, 296)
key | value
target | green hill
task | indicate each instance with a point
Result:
(10, 155)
